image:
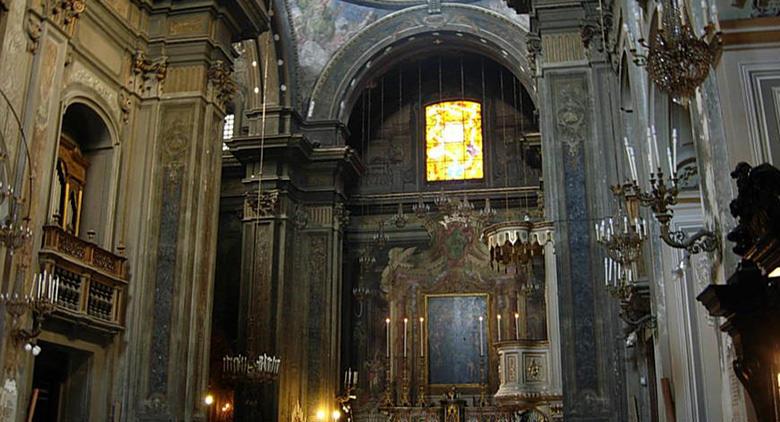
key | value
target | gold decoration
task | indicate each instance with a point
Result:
(220, 77)
(679, 61)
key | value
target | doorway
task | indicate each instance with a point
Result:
(60, 387)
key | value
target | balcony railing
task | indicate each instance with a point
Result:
(93, 281)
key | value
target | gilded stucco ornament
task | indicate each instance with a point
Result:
(570, 116)
(34, 30)
(261, 204)
(148, 73)
(224, 88)
(64, 13)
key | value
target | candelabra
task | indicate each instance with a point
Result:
(622, 237)
(240, 369)
(482, 383)
(41, 301)
(14, 229)
(345, 400)
(404, 400)
(662, 195)
(421, 401)
(387, 401)
(13, 233)
(361, 294)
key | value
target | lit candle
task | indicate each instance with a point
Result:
(517, 326)
(499, 326)
(422, 337)
(606, 270)
(406, 323)
(481, 339)
(669, 159)
(387, 330)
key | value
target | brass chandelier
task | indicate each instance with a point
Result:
(622, 237)
(678, 60)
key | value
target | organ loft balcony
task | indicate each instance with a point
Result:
(93, 282)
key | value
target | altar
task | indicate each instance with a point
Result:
(461, 340)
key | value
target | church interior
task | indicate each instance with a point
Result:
(389, 210)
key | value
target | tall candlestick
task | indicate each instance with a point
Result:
(406, 323)
(499, 326)
(669, 159)
(655, 148)
(606, 269)
(422, 338)
(675, 139)
(387, 330)
(517, 326)
(650, 151)
(715, 18)
(481, 339)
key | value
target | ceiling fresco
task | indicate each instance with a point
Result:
(323, 26)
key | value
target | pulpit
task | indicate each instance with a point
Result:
(524, 373)
(749, 302)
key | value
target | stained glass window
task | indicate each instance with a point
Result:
(453, 141)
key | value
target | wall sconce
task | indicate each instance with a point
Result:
(662, 195)
(42, 300)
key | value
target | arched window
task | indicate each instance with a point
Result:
(453, 141)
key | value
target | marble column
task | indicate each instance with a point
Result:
(291, 268)
(577, 147)
(187, 66)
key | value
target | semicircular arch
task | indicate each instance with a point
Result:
(479, 29)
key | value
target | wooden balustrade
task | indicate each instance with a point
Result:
(93, 280)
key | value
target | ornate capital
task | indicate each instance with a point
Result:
(533, 45)
(64, 13)
(340, 214)
(223, 87)
(125, 105)
(148, 74)
(263, 204)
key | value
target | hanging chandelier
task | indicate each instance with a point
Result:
(622, 237)
(678, 61)
(14, 225)
(14, 232)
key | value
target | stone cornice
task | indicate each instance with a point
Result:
(245, 18)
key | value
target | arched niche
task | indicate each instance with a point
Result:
(391, 38)
(85, 173)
